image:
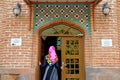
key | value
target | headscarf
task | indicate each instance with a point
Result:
(52, 57)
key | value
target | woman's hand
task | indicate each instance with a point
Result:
(39, 63)
(61, 67)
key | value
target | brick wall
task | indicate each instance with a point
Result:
(18, 27)
(106, 28)
(15, 27)
(14, 57)
(118, 21)
(1, 28)
(105, 61)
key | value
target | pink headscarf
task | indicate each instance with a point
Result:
(52, 54)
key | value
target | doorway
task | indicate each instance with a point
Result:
(69, 44)
(47, 42)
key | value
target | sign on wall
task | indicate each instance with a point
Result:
(16, 42)
(106, 42)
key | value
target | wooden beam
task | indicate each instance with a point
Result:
(94, 13)
(65, 35)
(30, 15)
(96, 2)
(28, 2)
(62, 2)
(67, 2)
(94, 17)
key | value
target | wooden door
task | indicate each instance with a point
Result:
(73, 58)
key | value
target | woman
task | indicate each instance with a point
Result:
(51, 64)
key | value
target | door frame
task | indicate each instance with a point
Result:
(38, 44)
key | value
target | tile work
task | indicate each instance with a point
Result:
(77, 13)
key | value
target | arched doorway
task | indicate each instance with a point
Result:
(69, 43)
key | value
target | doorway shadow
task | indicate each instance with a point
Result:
(47, 42)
